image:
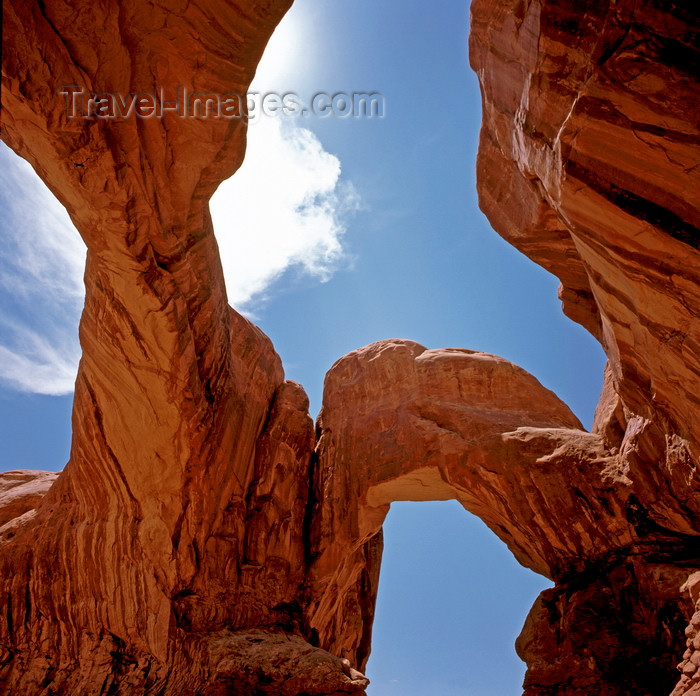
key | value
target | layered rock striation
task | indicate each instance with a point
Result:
(464, 425)
(588, 163)
(205, 538)
(160, 541)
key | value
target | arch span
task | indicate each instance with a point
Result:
(400, 422)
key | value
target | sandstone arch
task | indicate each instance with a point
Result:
(464, 425)
(192, 544)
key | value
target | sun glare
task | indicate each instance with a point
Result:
(286, 55)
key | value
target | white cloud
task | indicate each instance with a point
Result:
(286, 206)
(283, 209)
(41, 266)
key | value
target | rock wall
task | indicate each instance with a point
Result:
(588, 163)
(204, 538)
(160, 541)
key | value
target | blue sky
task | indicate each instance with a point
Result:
(349, 231)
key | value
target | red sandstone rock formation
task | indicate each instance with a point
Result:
(21, 492)
(589, 163)
(458, 424)
(196, 543)
(161, 545)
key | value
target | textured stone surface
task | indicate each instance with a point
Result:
(281, 664)
(203, 538)
(162, 530)
(613, 628)
(690, 677)
(21, 492)
(588, 163)
(464, 425)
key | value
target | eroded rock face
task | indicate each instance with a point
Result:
(690, 679)
(161, 532)
(204, 539)
(588, 164)
(21, 492)
(464, 425)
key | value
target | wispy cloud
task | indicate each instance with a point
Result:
(41, 266)
(284, 208)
